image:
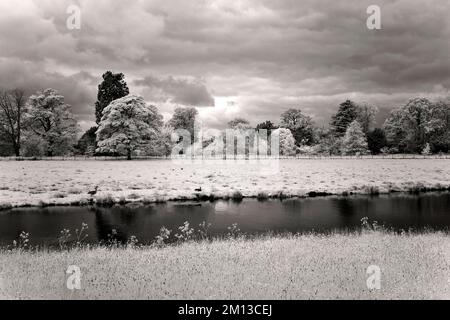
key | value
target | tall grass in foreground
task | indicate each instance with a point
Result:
(307, 266)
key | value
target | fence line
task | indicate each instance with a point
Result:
(230, 157)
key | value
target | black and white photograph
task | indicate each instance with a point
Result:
(207, 150)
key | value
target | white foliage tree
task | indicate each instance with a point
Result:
(286, 141)
(240, 141)
(420, 121)
(355, 141)
(127, 124)
(50, 120)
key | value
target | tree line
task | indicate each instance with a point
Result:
(43, 125)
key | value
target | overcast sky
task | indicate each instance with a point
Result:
(230, 58)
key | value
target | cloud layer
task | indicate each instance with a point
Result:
(265, 56)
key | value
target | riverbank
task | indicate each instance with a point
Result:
(413, 266)
(41, 183)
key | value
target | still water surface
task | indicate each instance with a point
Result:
(399, 211)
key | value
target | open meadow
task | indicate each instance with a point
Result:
(25, 183)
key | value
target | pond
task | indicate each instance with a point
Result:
(322, 214)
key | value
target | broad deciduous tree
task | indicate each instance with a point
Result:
(366, 116)
(300, 125)
(161, 144)
(127, 124)
(184, 118)
(12, 108)
(438, 127)
(50, 119)
(286, 141)
(411, 127)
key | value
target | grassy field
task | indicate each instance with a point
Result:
(292, 267)
(67, 182)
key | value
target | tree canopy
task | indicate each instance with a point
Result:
(376, 140)
(12, 109)
(184, 118)
(111, 88)
(50, 119)
(87, 141)
(266, 125)
(366, 116)
(238, 123)
(127, 124)
(286, 141)
(300, 125)
(354, 142)
(411, 127)
(346, 114)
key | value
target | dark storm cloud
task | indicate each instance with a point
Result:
(267, 55)
(78, 89)
(182, 91)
